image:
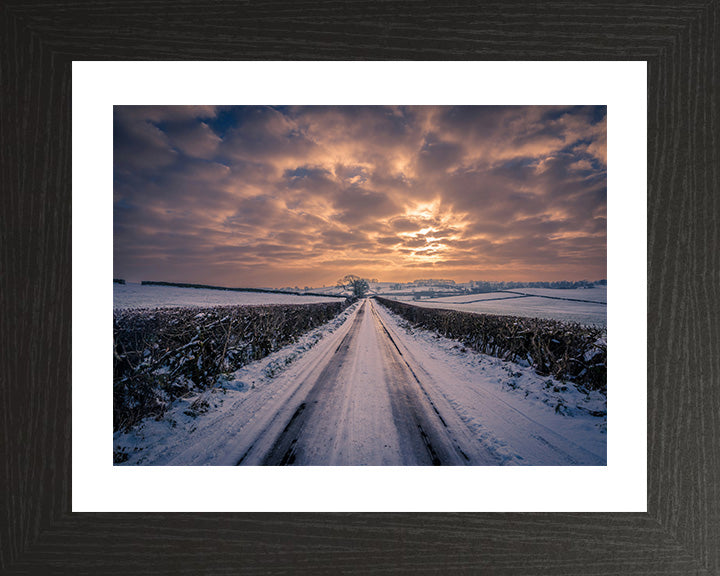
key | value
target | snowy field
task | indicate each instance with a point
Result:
(548, 303)
(464, 298)
(595, 294)
(383, 288)
(148, 296)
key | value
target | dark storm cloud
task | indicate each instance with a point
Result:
(258, 195)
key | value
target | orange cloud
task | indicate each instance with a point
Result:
(263, 196)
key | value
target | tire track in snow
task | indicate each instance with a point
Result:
(322, 428)
(452, 442)
(506, 425)
(283, 451)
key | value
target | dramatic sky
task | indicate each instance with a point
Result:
(284, 196)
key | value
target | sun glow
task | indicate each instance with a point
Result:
(279, 196)
(432, 240)
(423, 211)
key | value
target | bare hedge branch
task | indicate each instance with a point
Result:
(567, 351)
(163, 354)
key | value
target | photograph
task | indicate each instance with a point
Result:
(371, 285)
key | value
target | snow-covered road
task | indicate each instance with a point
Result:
(374, 392)
(366, 406)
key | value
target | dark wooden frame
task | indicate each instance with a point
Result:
(680, 533)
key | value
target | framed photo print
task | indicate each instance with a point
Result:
(395, 289)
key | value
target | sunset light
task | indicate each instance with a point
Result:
(276, 196)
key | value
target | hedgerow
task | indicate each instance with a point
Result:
(163, 354)
(567, 351)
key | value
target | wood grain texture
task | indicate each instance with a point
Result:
(681, 532)
(683, 269)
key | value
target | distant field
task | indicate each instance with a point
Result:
(505, 303)
(463, 299)
(139, 296)
(331, 290)
(596, 293)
